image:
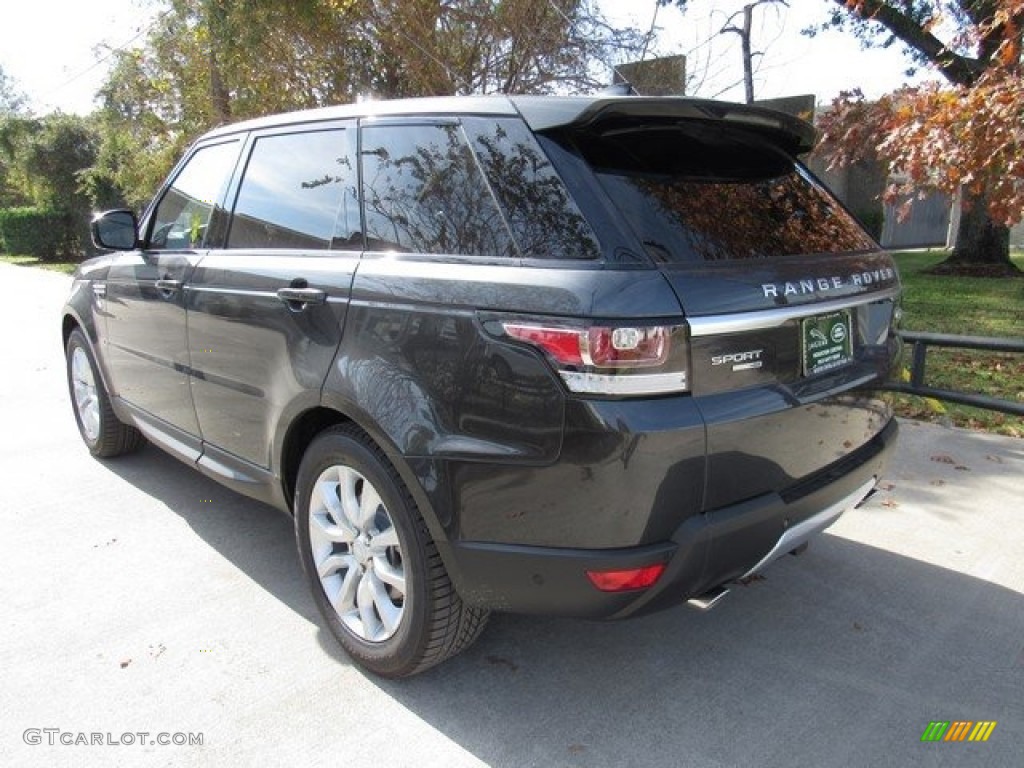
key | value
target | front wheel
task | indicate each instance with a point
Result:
(103, 433)
(376, 575)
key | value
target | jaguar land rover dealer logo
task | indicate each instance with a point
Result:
(824, 284)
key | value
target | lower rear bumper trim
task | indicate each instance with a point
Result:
(812, 526)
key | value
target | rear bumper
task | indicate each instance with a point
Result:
(706, 551)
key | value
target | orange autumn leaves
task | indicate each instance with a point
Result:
(952, 138)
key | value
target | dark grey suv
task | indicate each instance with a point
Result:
(580, 356)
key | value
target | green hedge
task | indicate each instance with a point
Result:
(46, 233)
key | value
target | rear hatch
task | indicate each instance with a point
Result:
(789, 302)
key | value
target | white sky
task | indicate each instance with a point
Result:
(792, 64)
(49, 48)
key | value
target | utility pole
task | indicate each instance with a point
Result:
(745, 43)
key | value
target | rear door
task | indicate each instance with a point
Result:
(267, 307)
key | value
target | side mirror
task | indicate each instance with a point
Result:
(115, 230)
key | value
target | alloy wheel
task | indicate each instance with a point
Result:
(87, 403)
(357, 554)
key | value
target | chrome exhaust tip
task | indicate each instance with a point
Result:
(708, 600)
(864, 501)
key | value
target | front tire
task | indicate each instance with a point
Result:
(374, 569)
(103, 433)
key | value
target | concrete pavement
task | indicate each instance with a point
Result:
(140, 597)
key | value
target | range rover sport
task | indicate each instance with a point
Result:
(585, 356)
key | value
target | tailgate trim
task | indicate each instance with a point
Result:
(741, 322)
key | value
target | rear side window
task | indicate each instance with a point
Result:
(182, 217)
(543, 218)
(298, 192)
(423, 192)
(706, 193)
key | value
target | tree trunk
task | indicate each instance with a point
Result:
(982, 244)
(220, 99)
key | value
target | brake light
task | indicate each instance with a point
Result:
(621, 581)
(612, 360)
(563, 345)
(599, 347)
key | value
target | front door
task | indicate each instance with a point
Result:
(146, 328)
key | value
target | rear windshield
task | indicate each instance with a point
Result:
(698, 192)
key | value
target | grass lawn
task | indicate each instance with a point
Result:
(972, 306)
(67, 267)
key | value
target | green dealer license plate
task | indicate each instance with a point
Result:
(827, 342)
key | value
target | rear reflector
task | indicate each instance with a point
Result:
(621, 581)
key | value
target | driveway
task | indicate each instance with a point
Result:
(141, 598)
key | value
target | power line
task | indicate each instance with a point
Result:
(111, 53)
(572, 26)
(650, 32)
(455, 78)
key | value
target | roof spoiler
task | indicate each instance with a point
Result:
(790, 133)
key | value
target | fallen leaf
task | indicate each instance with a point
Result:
(962, 468)
(887, 487)
(890, 503)
(944, 459)
(938, 482)
(125, 663)
(500, 661)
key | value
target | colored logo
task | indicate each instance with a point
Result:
(958, 730)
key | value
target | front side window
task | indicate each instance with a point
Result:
(182, 217)
(704, 193)
(298, 191)
(423, 193)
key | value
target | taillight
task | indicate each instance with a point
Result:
(612, 360)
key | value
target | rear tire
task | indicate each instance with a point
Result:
(102, 432)
(375, 572)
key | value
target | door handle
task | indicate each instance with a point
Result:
(299, 298)
(167, 285)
